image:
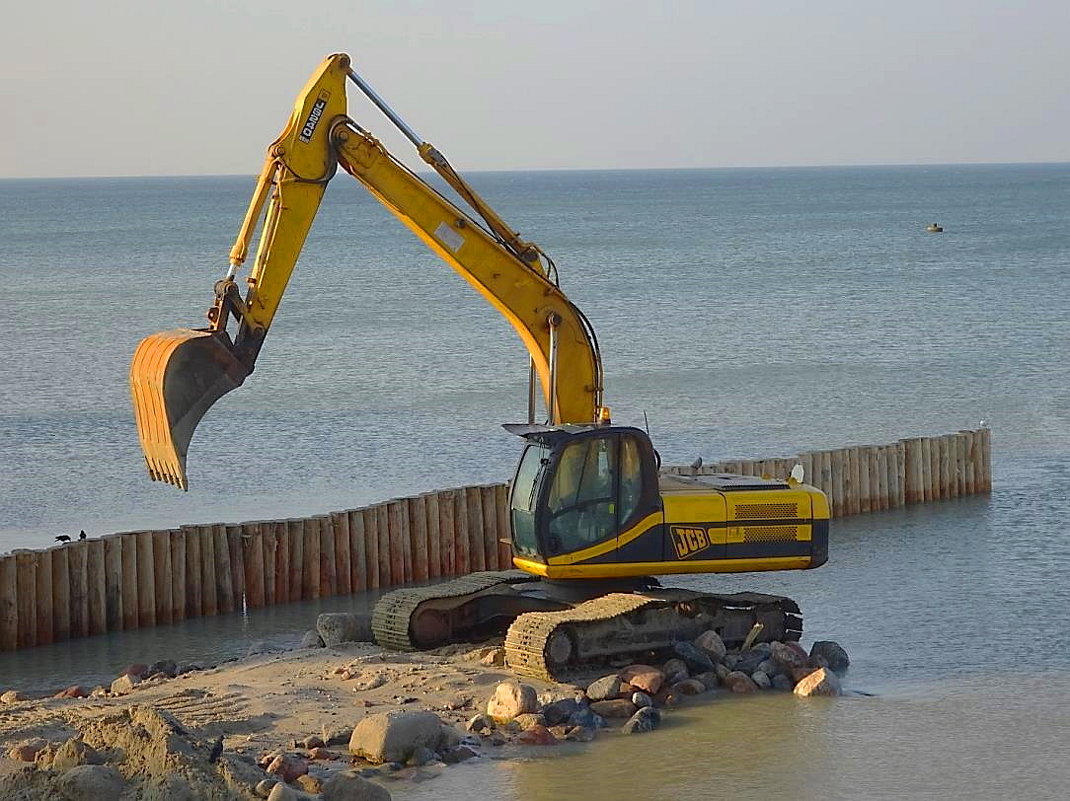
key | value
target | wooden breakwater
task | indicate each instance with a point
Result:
(147, 578)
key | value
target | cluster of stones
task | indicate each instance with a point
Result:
(637, 693)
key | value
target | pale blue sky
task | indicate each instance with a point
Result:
(136, 87)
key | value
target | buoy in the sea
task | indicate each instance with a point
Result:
(933, 228)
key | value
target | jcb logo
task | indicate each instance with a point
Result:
(688, 540)
(314, 116)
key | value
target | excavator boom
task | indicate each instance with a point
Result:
(176, 376)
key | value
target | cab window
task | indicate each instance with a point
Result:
(582, 502)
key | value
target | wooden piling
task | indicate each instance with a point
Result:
(418, 537)
(986, 460)
(194, 591)
(223, 571)
(311, 570)
(371, 548)
(177, 543)
(61, 594)
(209, 577)
(838, 461)
(237, 565)
(505, 527)
(26, 591)
(161, 558)
(343, 560)
(295, 530)
(913, 473)
(256, 572)
(146, 582)
(434, 536)
(78, 566)
(45, 633)
(387, 550)
(9, 603)
(477, 557)
(879, 466)
(113, 582)
(926, 470)
(400, 547)
(490, 527)
(447, 509)
(266, 550)
(461, 538)
(970, 462)
(358, 546)
(282, 562)
(865, 491)
(96, 587)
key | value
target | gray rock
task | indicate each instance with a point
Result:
(697, 660)
(711, 642)
(394, 736)
(646, 719)
(642, 699)
(729, 661)
(91, 783)
(605, 688)
(339, 627)
(263, 788)
(560, 711)
(789, 656)
(761, 678)
(709, 679)
(783, 682)
(833, 654)
(749, 660)
(675, 670)
(586, 718)
(311, 639)
(166, 666)
(479, 723)
(336, 735)
(281, 792)
(460, 753)
(124, 684)
(770, 668)
(422, 756)
(581, 734)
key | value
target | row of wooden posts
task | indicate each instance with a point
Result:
(148, 578)
(869, 478)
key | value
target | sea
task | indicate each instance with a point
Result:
(741, 313)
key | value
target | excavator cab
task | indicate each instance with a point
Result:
(577, 488)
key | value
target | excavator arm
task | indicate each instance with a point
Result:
(176, 376)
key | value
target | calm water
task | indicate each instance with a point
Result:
(747, 312)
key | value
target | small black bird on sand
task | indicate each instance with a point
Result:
(217, 749)
(63, 538)
(81, 534)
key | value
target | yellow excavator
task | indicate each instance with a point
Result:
(593, 520)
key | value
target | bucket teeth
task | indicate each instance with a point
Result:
(175, 377)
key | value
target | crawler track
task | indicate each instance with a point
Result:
(547, 645)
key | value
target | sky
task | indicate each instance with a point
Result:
(140, 87)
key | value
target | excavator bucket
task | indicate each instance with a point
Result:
(175, 378)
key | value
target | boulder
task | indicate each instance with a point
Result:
(459, 753)
(511, 698)
(835, 657)
(585, 717)
(287, 767)
(90, 783)
(561, 710)
(137, 669)
(537, 735)
(479, 724)
(821, 682)
(166, 666)
(309, 783)
(614, 708)
(761, 679)
(749, 660)
(422, 756)
(711, 642)
(336, 735)
(12, 697)
(349, 786)
(709, 679)
(646, 719)
(393, 736)
(74, 691)
(697, 660)
(689, 687)
(561, 692)
(605, 688)
(280, 792)
(339, 627)
(643, 677)
(739, 682)
(73, 753)
(675, 670)
(782, 682)
(788, 656)
(124, 684)
(529, 719)
(771, 668)
(312, 741)
(311, 639)
(722, 670)
(263, 788)
(581, 734)
(642, 699)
